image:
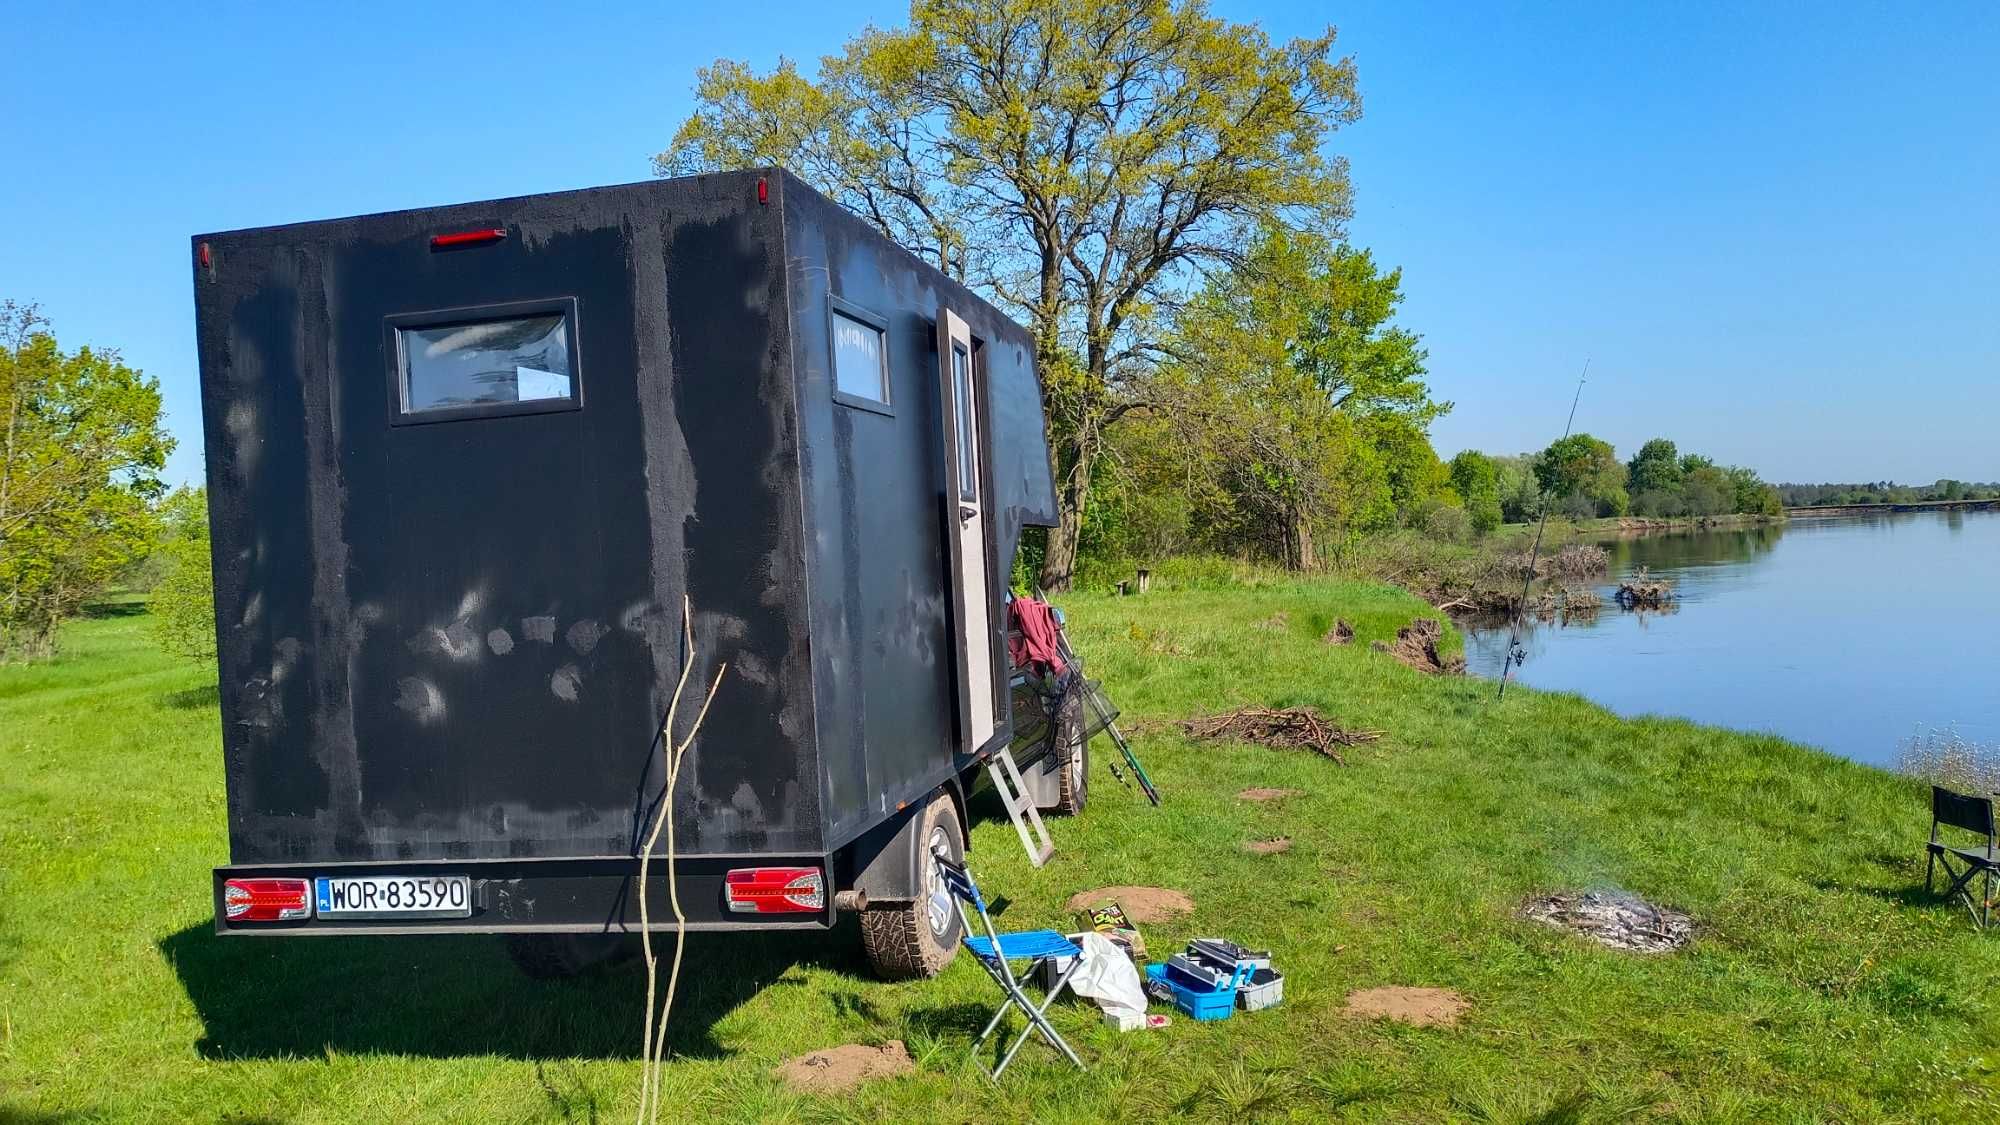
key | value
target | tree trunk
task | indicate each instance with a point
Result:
(1299, 540)
(1059, 561)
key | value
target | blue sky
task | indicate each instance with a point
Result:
(1773, 229)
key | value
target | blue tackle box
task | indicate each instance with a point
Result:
(1196, 998)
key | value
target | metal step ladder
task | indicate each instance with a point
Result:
(1007, 781)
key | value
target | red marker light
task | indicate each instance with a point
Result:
(203, 257)
(763, 191)
(467, 238)
(266, 900)
(774, 890)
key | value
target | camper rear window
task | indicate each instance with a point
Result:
(488, 366)
(860, 358)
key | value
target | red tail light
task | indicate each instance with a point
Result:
(775, 890)
(266, 900)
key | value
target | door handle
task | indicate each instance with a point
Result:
(966, 512)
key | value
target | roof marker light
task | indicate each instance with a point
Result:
(467, 238)
(763, 190)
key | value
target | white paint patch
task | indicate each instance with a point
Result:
(542, 629)
(253, 610)
(421, 699)
(584, 635)
(565, 682)
(500, 641)
(470, 603)
(285, 655)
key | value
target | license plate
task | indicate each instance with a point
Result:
(393, 896)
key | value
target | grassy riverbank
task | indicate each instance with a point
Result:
(1823, 984)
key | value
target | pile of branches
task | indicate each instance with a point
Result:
(1642, 592)
(1291, 728)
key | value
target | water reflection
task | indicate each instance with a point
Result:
(1846, 633)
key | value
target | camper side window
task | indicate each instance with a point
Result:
(479, 365)
(860, 357)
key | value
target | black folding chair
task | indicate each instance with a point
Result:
(995, 950)
(1972, 814)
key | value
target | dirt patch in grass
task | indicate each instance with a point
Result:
(1261, 794)
(1423, 1007)
(838, 1069)
(1294, 728)
(1341, 634)
(1417, 646)
(1141, 904)
(1268, 847)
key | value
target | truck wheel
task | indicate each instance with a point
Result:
(1072, 749)
(558, 956)
(911, 940)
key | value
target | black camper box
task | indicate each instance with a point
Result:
(465, 462)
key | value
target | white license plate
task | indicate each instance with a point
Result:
(393, 896)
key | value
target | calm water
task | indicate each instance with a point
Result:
(1846, 634)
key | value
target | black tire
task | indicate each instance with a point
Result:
(1072, 752)
(914, 940)
(560, 956)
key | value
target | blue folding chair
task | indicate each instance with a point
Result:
(996, 950)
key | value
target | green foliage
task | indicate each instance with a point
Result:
(183, 601)
(81, 444)
(1584, 476)
(1080, 163)
(1476, 479)
(1656, 468)
(1884, 492)
(1292, 409)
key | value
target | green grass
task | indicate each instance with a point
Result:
(1824, 984)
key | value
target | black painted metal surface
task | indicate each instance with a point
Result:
(454, 639)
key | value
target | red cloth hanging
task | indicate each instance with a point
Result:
(1033, 638)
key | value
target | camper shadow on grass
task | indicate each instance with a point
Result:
(456, 995)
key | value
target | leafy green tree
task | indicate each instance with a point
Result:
(1656, 468)
(1476, 479)
(1291, 392)
(1708, 491)
(1081, 163)
(183, 602)
(81, 447)
(1584, 475)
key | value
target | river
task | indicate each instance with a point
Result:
(1846, 633)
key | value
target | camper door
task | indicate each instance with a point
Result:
(965, 533)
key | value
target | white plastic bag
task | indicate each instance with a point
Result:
(1109, 977)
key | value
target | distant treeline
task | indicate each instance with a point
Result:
(1885, 492)
(1584, 478)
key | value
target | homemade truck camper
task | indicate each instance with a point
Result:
(465, 463)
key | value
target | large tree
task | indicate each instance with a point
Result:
(1083, 163)
(81, 446)
(1582, 474)
(1289, 385)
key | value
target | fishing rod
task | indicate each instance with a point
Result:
(1515, 653)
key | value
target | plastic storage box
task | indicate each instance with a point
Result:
(1264, 989)
(1196, 999)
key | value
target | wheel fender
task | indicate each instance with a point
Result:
(887, 862)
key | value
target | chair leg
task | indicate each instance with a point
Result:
(1930, 868)
(994, 1023)
(1986, 901)
(1038, 1021)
